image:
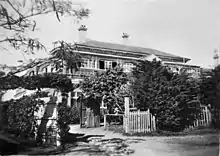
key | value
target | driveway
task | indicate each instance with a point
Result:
(154, 146)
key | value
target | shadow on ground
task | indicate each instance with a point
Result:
(97, 146)
(80, 144)
(9, 144)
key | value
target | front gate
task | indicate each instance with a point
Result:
(90, 116)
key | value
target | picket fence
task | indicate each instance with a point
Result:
(204, 119)
(140, 122)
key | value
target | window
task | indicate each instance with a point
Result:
(88, 63)
(108, 64)
(114, 64)
(91, 64)
(128, 66)
(84, 63)
(101, 64)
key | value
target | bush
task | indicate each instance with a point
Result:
(75, 115)
(66, 116)
(20, 116)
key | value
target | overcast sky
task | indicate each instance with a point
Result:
(189, 28)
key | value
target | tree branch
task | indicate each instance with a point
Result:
(24, 23)
(14, 8)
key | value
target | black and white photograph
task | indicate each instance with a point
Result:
(110, 77)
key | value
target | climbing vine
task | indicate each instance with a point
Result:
(107, 86)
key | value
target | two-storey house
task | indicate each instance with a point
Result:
(98, 56)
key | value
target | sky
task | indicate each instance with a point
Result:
(188, 28)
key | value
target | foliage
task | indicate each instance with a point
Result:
(210, 88)
(51, 80)
(17, 19)
(41, 94)
(172, 97)
(20, 114)
(2, 73)
(75, 115)
(66, 56)
(210, 94)
(108, 86)
(64, 120)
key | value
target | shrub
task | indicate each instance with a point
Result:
(75, 115)
(20, 115)
(65, 118)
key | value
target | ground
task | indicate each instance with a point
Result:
(192, 145)
(107, 143)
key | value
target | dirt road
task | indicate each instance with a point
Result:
(153, 146)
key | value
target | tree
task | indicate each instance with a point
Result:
(16, 20)
(210, 94)
(64, 56)
(210, 88)
(173, 98)
(107, 86)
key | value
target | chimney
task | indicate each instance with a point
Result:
(125, 38)
(82, 34)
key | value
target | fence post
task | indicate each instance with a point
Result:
(206, 116)
(154, 123)
(139, 121)
(126, 122)
(105, 121)
(148, 121)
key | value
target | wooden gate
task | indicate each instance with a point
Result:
(138, 121)
(141, 121)
(82, 115)
(90, 116)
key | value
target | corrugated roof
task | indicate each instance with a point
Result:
(128, 48)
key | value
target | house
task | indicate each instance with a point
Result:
(98, 56)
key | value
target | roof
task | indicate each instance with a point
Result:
(182, 64)
(206, 70)
(128, 48)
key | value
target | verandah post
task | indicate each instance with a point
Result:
(126, 121)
